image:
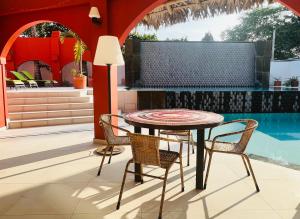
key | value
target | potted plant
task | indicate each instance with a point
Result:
(79, 79)
(292, 82)
(277, 82)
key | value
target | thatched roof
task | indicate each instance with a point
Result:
(176, 11)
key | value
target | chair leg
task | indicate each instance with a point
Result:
(188, 153)
(181, 173)
(122, 186)
(141, 171)
(208, 168)
(168, 143)
(204, 162)
(111, 152)
(192, 142)
(102, 161)
(248, 173)
(252, 173)
(163, 194)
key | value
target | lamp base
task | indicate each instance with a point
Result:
(96, 20)
(117, 150)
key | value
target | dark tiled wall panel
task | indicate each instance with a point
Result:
(235, 101)
(184, 64)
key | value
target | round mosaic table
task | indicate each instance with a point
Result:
(177, 119)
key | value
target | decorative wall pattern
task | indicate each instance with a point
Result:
(236, 101)
(169, 64)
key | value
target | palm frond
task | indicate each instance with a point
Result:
(177, 11)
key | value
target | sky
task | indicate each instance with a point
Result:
(194, 30)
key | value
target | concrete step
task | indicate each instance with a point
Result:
(47, 100)
(50, 122)
(49, 107)
(47, 93)
(90, 92)
(50, 114)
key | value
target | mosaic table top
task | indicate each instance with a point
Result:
(173, 119)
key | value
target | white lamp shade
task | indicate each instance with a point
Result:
(94, 13)
(108, 51)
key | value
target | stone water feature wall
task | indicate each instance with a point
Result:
(222, 101)
(196, 64)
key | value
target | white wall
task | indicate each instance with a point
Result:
(284, 70)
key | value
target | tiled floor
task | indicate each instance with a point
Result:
(53, 176)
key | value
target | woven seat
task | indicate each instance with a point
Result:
(110, 137)
(145, 151)
(181, 135)
(223, 146)
(238, 148)
(167, 158)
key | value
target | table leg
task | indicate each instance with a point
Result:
(151, 131)
(137, 167)
(200, 158)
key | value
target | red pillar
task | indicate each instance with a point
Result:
(3, 102)
(54, 48)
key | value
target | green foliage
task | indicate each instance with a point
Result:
(259, 24)
(44, 30)
(78, 50)
(138, 36)
(208, 37)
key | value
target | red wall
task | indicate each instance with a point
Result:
(49, 50)
(118, 18)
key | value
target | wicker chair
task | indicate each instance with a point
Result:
(183, 135)
(145, 151)
(238, 148)
(111, 139)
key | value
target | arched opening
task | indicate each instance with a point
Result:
(190, 99)
(49, 42)
(40, 70)
(36, 58)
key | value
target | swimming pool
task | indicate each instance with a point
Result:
(277, 137)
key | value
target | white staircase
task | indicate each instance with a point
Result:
(38, 107)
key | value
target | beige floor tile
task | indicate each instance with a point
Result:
(53, 176)
(289, 214)
(35, 217)
(11, 194)
(281, 194)
(47, 199)
(245, 215)
(110, 215)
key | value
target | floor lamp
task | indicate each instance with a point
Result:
(108, 53)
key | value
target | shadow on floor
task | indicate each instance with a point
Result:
(44, 155)
(297, 215)
(97, 195)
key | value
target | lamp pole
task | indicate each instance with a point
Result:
(109, 87)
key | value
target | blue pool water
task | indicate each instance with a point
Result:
(277, 136)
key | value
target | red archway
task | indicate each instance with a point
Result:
(118, 18)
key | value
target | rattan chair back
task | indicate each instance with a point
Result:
(105, 121)
(250, 127)
(145, 149)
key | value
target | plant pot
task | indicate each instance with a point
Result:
(79, 82)
(277, 83)
(294, 83)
